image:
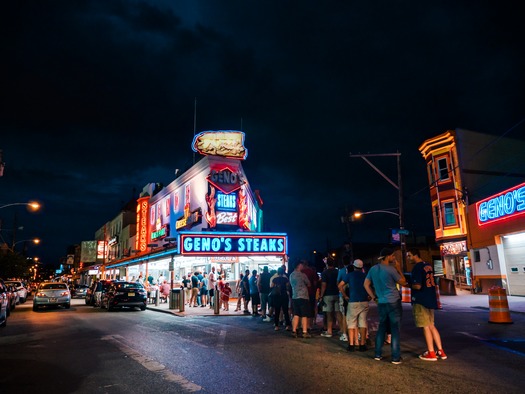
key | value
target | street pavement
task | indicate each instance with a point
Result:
(463, 300)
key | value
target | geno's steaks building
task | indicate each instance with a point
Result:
(208, 216)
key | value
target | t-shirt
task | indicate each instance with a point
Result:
(355, 281)
(194, 281)
(253, 285)
(212, 280)
(264, 282)
(245, 285)
(329, 276)
(313, 278)
(384, 279)
(299, 282)
(281, 281)
(423, 274)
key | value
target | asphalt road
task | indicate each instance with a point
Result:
(89, 350)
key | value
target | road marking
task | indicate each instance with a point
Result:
(489, 343)
(152, 365)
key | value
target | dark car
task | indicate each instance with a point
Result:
(125, 294)
(4, 303)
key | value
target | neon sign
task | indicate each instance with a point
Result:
(225, 179)
(227, 202)
(236, 244)
(505, 205)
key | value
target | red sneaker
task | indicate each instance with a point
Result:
(428, 356)
(441, 354)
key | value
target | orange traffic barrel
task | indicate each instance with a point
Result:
(498, 306)
(405, 294)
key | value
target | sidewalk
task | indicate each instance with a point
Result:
(462, 300)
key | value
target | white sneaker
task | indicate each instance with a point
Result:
(343, 337)
(267, 319)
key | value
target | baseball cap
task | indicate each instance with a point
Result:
(358, 263)
(385, 252)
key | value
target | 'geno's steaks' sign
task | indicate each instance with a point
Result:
(232, 243)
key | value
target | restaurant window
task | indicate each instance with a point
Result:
(431, 177)
(436, 217)
(443, 169)
(449, 214)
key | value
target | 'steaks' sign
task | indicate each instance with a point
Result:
(233, 244)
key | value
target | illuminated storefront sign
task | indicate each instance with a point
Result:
(164, 231)
(505, 205)
(225, 179)
(141, 243)
(452, 248)
(232, 244)
(226, 143)
(226, 202)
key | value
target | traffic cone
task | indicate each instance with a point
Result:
(498, 306)
(405, 294)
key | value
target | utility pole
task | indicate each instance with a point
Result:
(399, 187)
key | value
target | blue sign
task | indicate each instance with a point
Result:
(504, 205)
(232, 244)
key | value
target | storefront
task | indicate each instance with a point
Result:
(209, 216)
(497, 234)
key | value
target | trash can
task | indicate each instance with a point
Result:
(447, 286)
(175, 298)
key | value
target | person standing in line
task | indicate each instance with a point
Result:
(424, 301)
(264, 289)
(238, 290)
(186, 284)
(358, 306)
(195, 287)
(199, 298)
(225, 296)
(212, 284)
(300, 299)
(246, 290)
(281, 298)
(312, 290)
(384, 277)
(330, 296)
(254, 293)
(343, 303)
(204, 290)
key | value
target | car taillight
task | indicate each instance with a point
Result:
(64, 293)
(40, 294)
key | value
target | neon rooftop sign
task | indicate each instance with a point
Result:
(502, 206)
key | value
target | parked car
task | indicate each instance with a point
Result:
(4, 303)
(125, 294)
(20, 288)
(14, 298)
(52, 294)
(79, 291)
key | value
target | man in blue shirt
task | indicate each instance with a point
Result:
(384, 277)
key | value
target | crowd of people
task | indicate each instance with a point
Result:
(342, 295)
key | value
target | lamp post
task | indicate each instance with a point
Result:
(33, 205)
(36, 241)
(399, 187)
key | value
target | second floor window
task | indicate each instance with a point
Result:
(449, 214)
(443, 169)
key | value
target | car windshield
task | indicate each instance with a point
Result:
(53, 286)
(125, 286)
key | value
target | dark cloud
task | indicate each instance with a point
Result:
(98, 100)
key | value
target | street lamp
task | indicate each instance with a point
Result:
(32, 204)
(36, 241)
(358, 214)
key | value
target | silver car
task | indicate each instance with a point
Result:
(52, 294)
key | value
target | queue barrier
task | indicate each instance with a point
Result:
(406, 294)
(498, 306)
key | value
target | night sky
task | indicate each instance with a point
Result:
(98, 99)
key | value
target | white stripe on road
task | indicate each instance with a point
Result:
(152, 365)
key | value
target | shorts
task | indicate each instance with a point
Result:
(331, 303)
(423, 317)
(256, 299)
(301, 307)
(343, 305)
(357, 314)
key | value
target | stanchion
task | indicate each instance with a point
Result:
(182, 300)
(157, 297)
(406, 294)
(217, 303)
(498, 306)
